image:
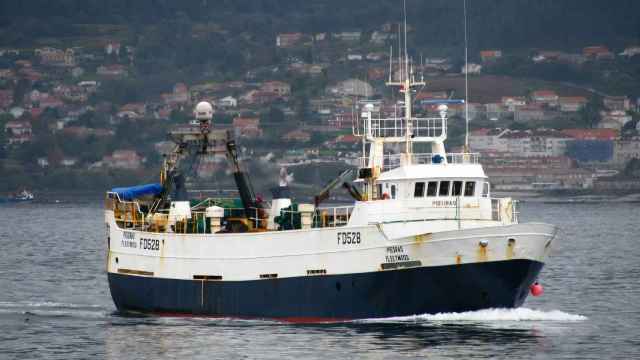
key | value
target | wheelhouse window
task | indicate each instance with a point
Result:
(379, 189)
(485, 189)
(393, 191)
(419, 190)
(444, 188)
(469, 188)
(432, 188)
(456, 189)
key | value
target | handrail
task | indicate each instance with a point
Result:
(333, 216)
(393, 161)
(395, 127)
(134, 221)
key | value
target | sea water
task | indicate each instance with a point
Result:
(55, 302)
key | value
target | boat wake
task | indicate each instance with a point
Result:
(53, 309)
(486, 315)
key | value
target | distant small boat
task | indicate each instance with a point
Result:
(24, 195)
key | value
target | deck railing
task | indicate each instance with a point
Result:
(392, 161)
(334, 216)
(395, 127)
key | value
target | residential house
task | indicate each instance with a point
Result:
(631, 51)
(132, 111)
(352, 87)
(546, 56)
(535, 143)
(625, 149)
(227, 102)
(592, 134)
(597, 52)
(513, 102)
(343, 140)
(613, 119)
(617, 103)
(571, 103)
(18, 131)
(68, 161)
(380, 37)
(72, 93)
(488, 140)
(50, 56)
(123, 159)
(354, 57)
(43, 100)
(279, 88)
(17, 112)
(307, 69)
(23, 63)
(494, 110)
(297, 135)
(6, 98)
(547, 97)
(255, 97)
(89, 86)
(490, 55)
(112, 47)
(43, 162)
(115, 70)
(350, 36)
(51, 102)
(7, 74)
(471, 68)
(533, 112)
(376, 56)
(248, 127)
(431, 95)
(376, 73)
(69, 58)
(287, 40)
(30, 74)
(180, 95)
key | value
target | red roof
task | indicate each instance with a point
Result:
(544, 93)
(592, 134)
(243, 122)
(480, 132)
(347, 138)
(595, 50)
(573, 99)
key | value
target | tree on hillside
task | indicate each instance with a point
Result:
(274, 115)
(4, 118)
(590, 113)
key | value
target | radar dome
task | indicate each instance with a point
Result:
(204, 111)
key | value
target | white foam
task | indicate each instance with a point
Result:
(488, 315)
(45, 304)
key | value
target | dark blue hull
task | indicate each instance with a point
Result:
(419, 290)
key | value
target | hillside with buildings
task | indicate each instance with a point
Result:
(88, 92)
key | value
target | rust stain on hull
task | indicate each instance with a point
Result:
(511, 248)
(423, 237)
(482, 253)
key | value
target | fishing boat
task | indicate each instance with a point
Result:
(423, 234)
(22, 196)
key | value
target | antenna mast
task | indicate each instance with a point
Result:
(466, 81)
(406, 82)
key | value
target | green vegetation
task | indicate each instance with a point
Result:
(167, 42)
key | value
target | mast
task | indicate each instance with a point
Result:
(406, 82)
(466, 81)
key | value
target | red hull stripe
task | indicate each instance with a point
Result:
(293, 320)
